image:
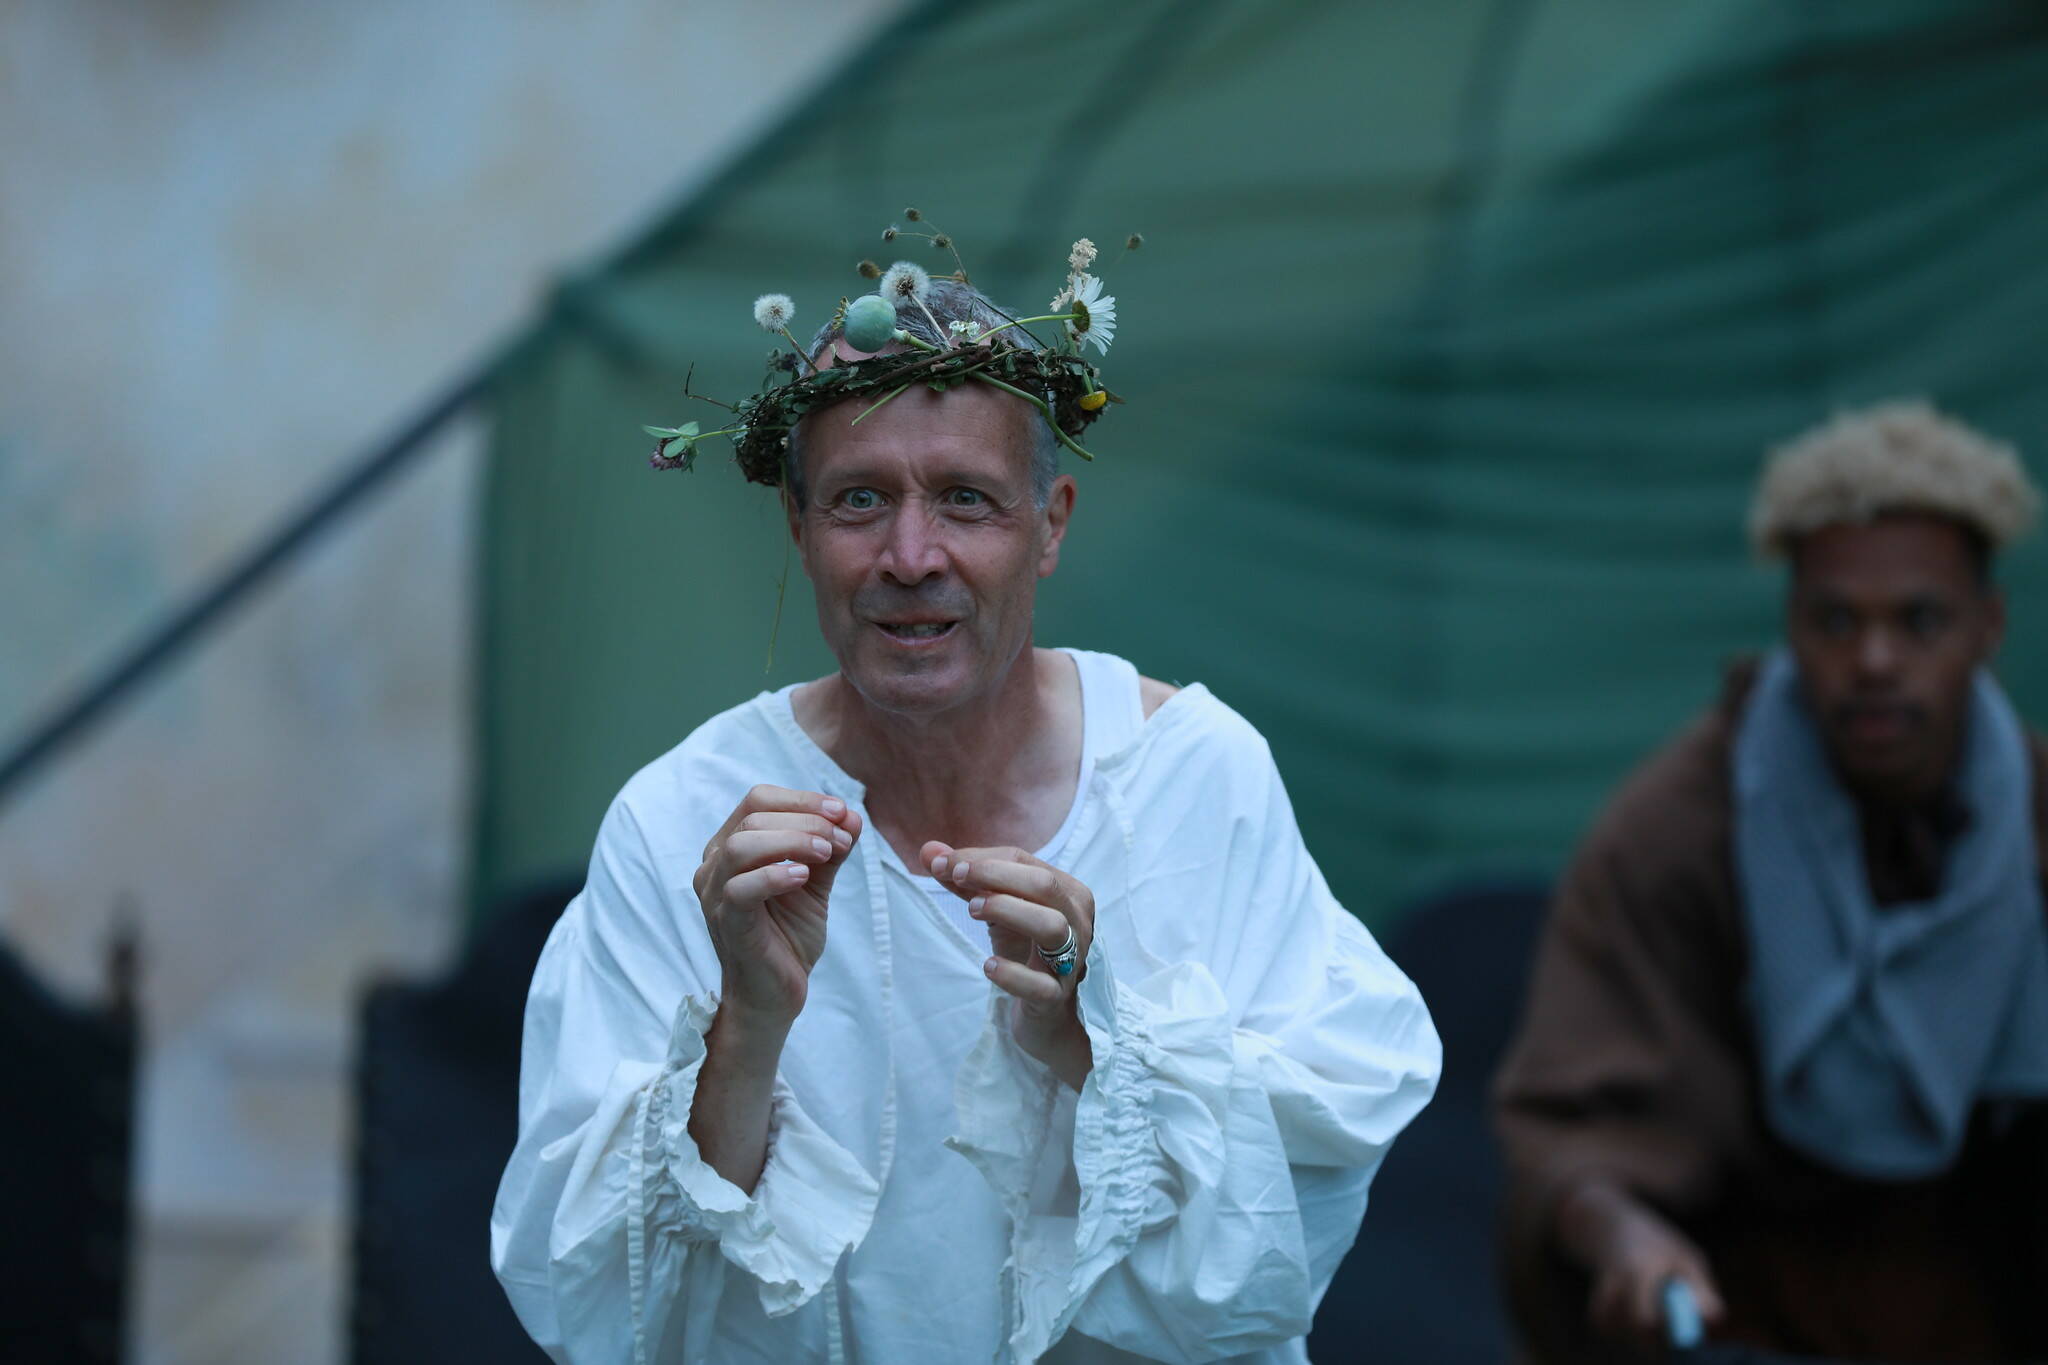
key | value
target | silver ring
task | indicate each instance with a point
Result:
(1062, 958)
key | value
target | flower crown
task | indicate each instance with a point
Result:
(1056, 379)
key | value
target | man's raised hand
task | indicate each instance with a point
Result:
(1027, 904)
(763, 885)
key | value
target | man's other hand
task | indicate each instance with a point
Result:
(1028, 904)
(1631, 1252)
(764, 884)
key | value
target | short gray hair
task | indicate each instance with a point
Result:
(949, 301)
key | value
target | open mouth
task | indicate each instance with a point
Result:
(916, 632)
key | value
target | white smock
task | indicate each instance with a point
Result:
(931, 1193)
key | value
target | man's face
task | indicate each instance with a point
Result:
(1889, 621)
(923, 542)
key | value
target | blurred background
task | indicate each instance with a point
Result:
(336, 599)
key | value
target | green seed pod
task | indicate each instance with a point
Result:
(870, 323)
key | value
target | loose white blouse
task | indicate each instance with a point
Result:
(931, 1193)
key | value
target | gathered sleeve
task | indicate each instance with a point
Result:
(1251, 1070)
(614, 1239)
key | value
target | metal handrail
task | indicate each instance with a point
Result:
(160, 645)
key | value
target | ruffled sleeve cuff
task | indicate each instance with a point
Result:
(813, 1202)
(1003, 1101)
(1146, 1131)
(1149, 1127)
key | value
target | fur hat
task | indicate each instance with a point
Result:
(1900, 456)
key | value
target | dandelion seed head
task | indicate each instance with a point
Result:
(905, 281)
(774, 311)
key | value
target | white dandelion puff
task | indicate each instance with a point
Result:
(1095, 314)
(905, 282)
(774, 311)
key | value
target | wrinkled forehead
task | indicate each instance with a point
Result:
(920, 437)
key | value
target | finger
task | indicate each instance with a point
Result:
(1032, 987)
(1646, 1307)
(1041, 924)
(788, 819)
(752, 888)
(1624, 1318)
(986, 870)
(849, 825)
(1037, 883)
(748, 849)
(809, 824)
(1605, 1309)
(1015, 947)
(1705, 1293)
(935, 856)
(765, 797)
(1005, 853)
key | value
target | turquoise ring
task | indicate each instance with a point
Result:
(1064, 958)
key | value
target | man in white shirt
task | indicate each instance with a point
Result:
(1091, 1066)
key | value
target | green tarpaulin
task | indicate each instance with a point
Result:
(1458, 336)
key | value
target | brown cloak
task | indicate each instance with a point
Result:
(1635, 1061)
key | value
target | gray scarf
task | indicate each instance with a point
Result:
(1880, 1028)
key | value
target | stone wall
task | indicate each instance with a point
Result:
(239, 241)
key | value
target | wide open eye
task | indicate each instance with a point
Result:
(860, 500)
